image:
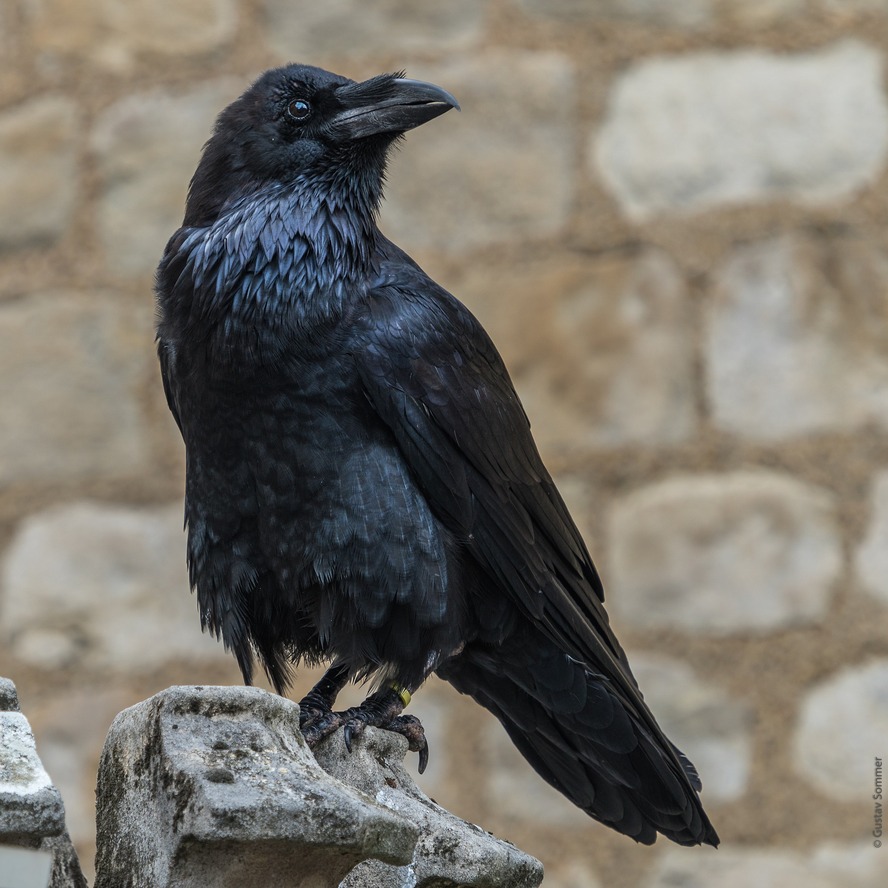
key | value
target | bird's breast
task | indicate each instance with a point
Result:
(328, 486)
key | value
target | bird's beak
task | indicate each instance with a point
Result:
(388, 105)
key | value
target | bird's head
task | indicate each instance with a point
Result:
(303, 124)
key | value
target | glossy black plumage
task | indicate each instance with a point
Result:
(362, 485)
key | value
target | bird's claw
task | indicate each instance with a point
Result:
(410, 726)
(352, 729)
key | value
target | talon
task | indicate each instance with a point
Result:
(423, 757)
(351, 731)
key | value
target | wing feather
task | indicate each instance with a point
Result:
(433, 375)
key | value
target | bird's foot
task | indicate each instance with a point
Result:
(380, 710)
(317, 725)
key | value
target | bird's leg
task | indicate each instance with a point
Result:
(383, 710)
(315, 708)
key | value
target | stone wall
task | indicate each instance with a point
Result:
(670, 215)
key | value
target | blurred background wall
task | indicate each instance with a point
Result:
(670, 215)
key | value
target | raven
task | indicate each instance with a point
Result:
(362, 487)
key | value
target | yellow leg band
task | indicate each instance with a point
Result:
(403, 693)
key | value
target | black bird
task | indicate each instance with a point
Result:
(362, 485)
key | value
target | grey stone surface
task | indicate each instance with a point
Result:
(449, 852)
(705, 130)
(39, 170)
(215, 786)
(344, 29)
(825, 866)
(31, 812)
(101, 586)
(77, 360)
(841, 728)
(696, 14)
(871, 557)
(500, 171)
(29, 803)
(795, 337)
(748, 551)
(703, 720)
(145, 174)
(686, 13)
(109, 35)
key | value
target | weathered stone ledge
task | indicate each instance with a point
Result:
(215, 787)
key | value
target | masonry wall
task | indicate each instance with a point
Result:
(671, 218)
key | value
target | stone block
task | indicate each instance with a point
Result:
(601, 350)
(796, 337)
(824, 866)
(33, 840)
(77, 360)
(110, 34)
(39, 170)
(762, 13)
(215, 786)
(104, 587)
(343, 29)
(655, 13)
(871, 558)
(500, 171)
(450, 851)
(707, 130)
(849, 8)
(144, 173)
(29, 804)
(173, 27)
(841, 728)
(749, 551)
(624, 352)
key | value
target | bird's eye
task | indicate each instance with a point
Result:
(299, 109)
